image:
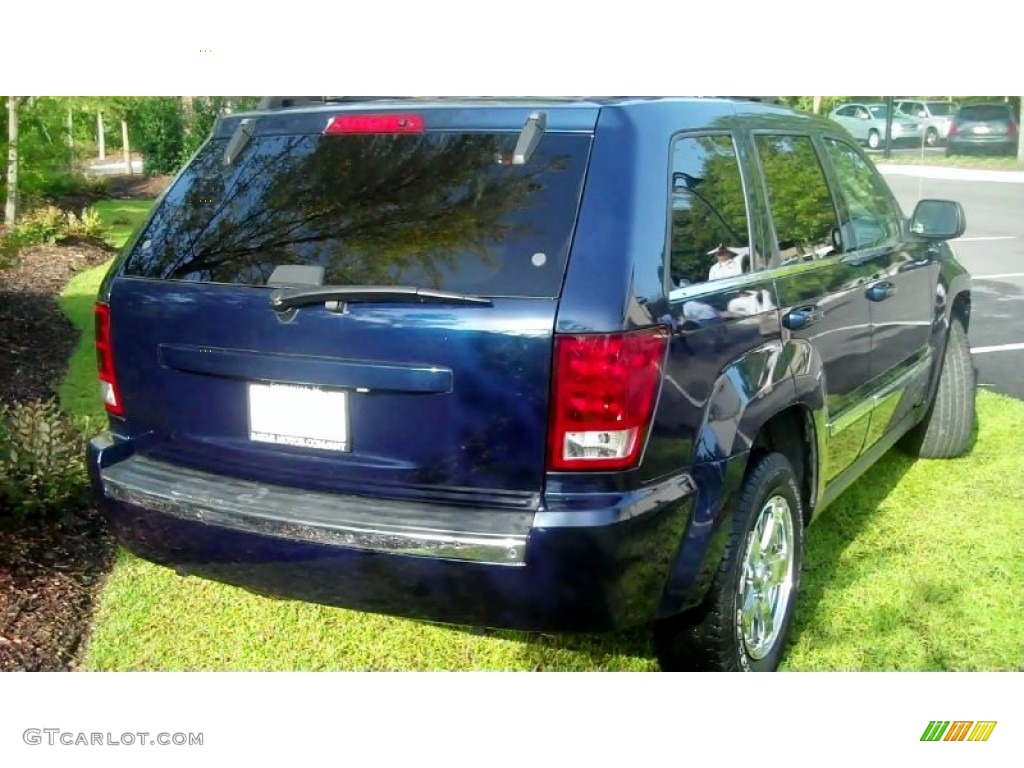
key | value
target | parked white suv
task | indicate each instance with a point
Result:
(935, 117)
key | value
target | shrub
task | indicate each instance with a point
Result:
(57, 185)
(8, 249)
(87, 224)
(41, 225)
(42, 461)
(49, 224)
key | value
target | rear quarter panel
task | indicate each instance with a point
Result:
(722, 382)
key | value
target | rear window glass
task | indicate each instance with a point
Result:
(940, 109)
(985, 113)
(433, 210)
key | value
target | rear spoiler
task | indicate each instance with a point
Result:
(287, 102)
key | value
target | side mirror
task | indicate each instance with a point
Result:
(684, 181)
(938, 220)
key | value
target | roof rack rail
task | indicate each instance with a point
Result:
(758, 99)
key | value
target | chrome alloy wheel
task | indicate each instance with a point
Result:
(766, 583)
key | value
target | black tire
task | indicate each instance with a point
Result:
(710, 637)
(947, 428)
(931, 137)
(950, 151)
(874, 139)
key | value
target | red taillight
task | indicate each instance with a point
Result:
(953, 129)
(341, 124)
(1013, 129)
(109, 391)
(603, 395)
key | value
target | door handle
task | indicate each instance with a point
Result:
(802, 317)
(881, 291)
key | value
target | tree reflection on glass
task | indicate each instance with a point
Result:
(800, 200)
(708, 205)
(435, 210)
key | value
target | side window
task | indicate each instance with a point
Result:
(845, 112)
(801, 204)
(870, 219)
(710, 234)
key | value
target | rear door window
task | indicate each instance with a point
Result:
(437, 210)
(710, 233)
(911, 109)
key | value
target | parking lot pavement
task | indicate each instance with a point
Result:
(993, 250)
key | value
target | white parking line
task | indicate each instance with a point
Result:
(997, 277)
(997, 348)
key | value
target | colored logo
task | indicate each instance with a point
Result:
(958, 730)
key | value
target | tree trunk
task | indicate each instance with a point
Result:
(188, 113)
(11, 209)
(126, 147)
(817, 105)
(101, 138)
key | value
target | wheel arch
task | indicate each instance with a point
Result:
(793, 433)
(792, 429)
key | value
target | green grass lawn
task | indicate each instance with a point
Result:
(121, 217)
(78, 390)
(916, 567)
(983, 162)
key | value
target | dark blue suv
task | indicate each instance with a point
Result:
(547, 364)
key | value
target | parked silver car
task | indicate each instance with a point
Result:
(866, 123)
(935, 117)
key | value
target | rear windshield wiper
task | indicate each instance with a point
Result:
(336, 296)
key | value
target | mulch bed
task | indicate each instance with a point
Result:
(50, 570)
(136, 187)
(36, 338)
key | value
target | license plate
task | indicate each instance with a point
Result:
(981, 129)
(306, 417)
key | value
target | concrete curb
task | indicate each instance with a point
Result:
(953, 174)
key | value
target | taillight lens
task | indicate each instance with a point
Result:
(1013, 129)
(953, 129)
(109, 391)
(604, 390)
(342, 124)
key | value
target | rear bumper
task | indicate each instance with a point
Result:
(982, 142)
(591, 565)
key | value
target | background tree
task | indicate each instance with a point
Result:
(161, 128)
(123, 108)
(11, 206)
